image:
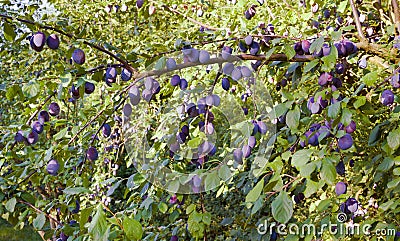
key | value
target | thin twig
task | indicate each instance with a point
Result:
(40, 107)
(396, 12)
(357, 21)
(118, 221)
(40, 211)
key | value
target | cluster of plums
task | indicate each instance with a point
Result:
(37, 128)
(259, 126)
(38, 125)
(110, 76)
(249, 44)
(38, 40)
(152, 87)
(317, 133)
(203, 110)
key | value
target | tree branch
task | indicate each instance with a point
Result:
(40, 211)
(357, 21)
(123, 62)
(396, 12)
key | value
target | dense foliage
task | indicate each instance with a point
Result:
(144, 120)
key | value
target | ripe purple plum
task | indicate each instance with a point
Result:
(352, 205)
(170, 64)
(204, 56)
(126, 74)
(225, 84)
(340, 188)
(324, 78)
(134, 95)
(238, 155)
(351, 127)
(183, 84)
(387, 97)
(52, 167)
(89, 88)
(32, 138)
(37, 41)
(92, 154)
(345, 142)
(53, 41)
(37, 127)
(78, 56)
(305, 46)
(43, 117)
(54, 109)
(106, 130)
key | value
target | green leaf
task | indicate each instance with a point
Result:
(224, 172)
(393, 183)
(195, 142)
(133, 229)
(334, 110)
(293, 118)
(311, 188)
(393, 139)
(163, 207)
(329, 61)
(370, 78)
(98, 226)
(317, 44)
(386, 164)
(61, 134)
(190, 208)
(10, 204)
(9, 32)
(328, 172)
(342, 6)
(282, 207)
(206, 218)
(374, 135)
(66, 79)
(254, 193)
(346, 117)
(361, 100)
(30, 89)
(39, 221)
(75, 190)
(212, 180)
(160, 64)
(84, 216)
(301, 157)
(113, 188)
(289, 51)
(311, 65)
